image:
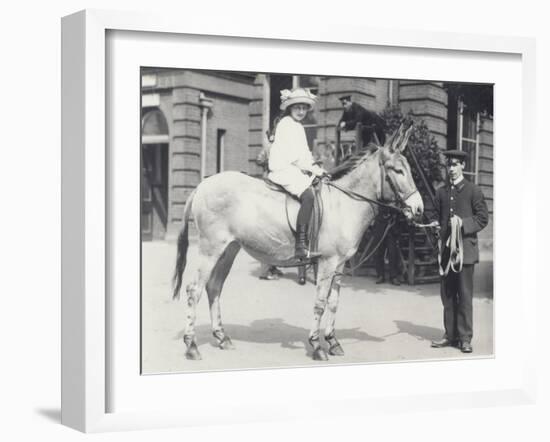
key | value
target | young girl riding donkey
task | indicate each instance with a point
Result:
(291, 164)
(232, 210)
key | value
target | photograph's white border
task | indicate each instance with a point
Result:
(86, 208)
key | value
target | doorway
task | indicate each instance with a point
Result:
(154, 175)
(154, 191)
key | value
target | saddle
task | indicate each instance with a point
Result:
(316, 215)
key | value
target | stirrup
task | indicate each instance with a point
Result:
(309, 256)
(314, 255)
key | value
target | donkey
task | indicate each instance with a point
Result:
(232, 210)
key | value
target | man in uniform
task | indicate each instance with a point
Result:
(462, 212)
(371, 122)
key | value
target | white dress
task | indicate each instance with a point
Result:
(290, 159)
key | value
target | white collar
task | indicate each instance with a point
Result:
(458, 181)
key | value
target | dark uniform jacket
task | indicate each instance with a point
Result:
(467, 202)
(358, 113)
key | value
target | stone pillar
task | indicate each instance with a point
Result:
(185, 161)
(485, 158)
(258, 125)
(428, 102)
(485, 181)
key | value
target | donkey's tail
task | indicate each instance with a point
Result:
(183, 244)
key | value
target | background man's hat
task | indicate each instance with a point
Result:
(345, 98)
(295, 96)
(454, 153)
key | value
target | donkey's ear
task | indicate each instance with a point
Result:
(398, 140)
(407, 125)
(393, 140)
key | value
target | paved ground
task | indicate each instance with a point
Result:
(269, 321)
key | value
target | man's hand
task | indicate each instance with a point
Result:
(342, 125)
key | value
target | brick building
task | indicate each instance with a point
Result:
(197, 123)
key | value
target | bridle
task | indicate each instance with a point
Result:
(385, 176)
(397, 204)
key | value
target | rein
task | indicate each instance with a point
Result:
(358, 197)
(384, 176)
(365, 257)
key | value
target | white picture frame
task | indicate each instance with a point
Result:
(86, 206)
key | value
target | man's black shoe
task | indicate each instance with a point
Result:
(443, 343)
(466, 347)
(395, 281)
(380, 280)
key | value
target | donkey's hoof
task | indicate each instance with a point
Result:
(319, 354)
(336, 350)
(226, 344)
(193, 353)
(224, 341)
(334, 347)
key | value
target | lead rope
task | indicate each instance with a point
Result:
(364, 258)
(349, 271)
(359, 197)
(455, 245)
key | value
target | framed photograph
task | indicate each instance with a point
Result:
(171, 137)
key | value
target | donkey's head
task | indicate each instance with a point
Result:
(397, 185)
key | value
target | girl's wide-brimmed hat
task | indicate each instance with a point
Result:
(295, 96)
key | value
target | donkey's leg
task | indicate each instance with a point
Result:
(324, 281)
(207, 261)
(335, 348)
(214, 289)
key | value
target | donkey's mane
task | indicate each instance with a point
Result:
(398, 137)
(350, 164)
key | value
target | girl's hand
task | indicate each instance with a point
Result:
(319, 172)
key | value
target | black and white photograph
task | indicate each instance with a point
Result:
(297, 220)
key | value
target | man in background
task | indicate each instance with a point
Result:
(389, 244)
(369, 126)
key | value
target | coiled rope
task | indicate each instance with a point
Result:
(455, 245)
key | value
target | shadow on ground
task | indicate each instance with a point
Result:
(420, 332)
(274, 331)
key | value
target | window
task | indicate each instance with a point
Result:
(468, 138)
(154, 127)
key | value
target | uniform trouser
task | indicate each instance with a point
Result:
(390, 244)
(456, 295)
